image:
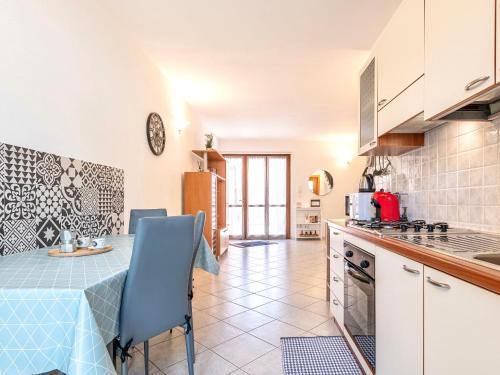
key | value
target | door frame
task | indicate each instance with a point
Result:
(244, 205)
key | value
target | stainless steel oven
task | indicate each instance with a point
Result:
(359, 299)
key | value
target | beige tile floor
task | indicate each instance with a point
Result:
(260, 295)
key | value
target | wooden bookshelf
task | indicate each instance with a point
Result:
(206, 191)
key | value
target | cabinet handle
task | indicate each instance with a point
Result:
(336, 256)
(382, 102)
(335, 233)
(411, 270)
(373, 143)
(438, 284)
(335, 302)
(472, 84)
(336, 279)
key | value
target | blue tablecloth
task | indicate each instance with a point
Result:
(59, 313)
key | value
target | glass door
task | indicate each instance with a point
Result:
(258, 196)
(234, 186)
(257, 220)
(277, 167)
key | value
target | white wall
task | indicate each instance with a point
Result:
(72, 82)
(307, 157)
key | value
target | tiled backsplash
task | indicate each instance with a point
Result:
(454, 177)
(42, 193)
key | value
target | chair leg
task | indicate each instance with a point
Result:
(191, 335)
(115, 353)
(188, 333)
(146, 357)
(124, 370)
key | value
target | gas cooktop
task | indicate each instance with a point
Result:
(463, 243)
(418, 227)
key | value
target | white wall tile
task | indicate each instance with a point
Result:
(490, 155)
(455, 177)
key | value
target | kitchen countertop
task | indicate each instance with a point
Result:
(473, 271)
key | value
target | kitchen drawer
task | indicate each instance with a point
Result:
(337, 310)
(337, 287)
(336, 240)
(337, 264)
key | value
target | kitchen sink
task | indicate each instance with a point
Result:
(490, 258)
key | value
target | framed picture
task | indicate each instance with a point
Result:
(315, 203)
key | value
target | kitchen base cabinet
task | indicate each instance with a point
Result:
(336, 264)
(461, 325)
(337, 310)
(335, 271)
(399, 314)
(336, 240)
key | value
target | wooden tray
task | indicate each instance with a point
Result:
(82, 252)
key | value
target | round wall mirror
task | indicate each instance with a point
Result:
(320, 182)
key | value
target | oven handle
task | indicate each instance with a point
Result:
(358, 276)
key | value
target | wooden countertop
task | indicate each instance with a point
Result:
(482, 276)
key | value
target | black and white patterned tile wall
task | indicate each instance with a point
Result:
(42, 193)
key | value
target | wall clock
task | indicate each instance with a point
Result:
(155, 132)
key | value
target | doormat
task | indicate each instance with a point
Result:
(367, 343)
(322, 355)
(253, 243)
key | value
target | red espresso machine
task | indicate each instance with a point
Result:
(386, 205)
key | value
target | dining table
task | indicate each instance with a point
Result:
(60, 313)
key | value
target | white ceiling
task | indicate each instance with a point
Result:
(262, 68)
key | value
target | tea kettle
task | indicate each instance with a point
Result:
(367, 182)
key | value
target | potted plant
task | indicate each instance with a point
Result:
(209, 141)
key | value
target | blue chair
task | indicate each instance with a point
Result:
(199, 225)
(137, 214)
(154, 297)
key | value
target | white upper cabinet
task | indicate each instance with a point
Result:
(461, 325)
(400, 51)
(399, 314)
(459, 52)
(497, 72)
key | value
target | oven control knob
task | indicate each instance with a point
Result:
(364, 264)
(349, 253)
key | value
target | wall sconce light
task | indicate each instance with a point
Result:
(181, 125)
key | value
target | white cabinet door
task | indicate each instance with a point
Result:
(461, 325)
(399, 314)
(337, 310)
(403, 108)
(497, 72)
(400, 51)
(336, 241)
(459, 52)
(337, 288)
(336, 265)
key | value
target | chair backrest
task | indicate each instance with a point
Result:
(154, 297)
(199, 225)
(137, 214)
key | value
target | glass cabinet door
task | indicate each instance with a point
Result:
(367, 108)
